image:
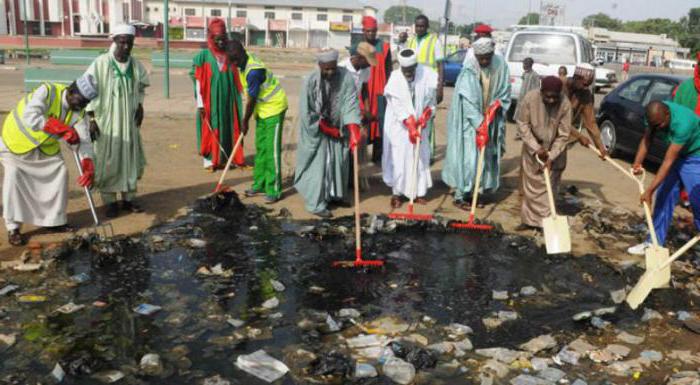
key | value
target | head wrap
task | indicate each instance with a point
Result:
(87, 86)
(552, 83)
(585, 71)
(368, 51)
(123, 29)
(368, 22)
(483, 28)
(483, 46)
(327, 55)
(216, 27)
(407, 58)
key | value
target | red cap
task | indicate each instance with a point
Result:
(483, 28)
(369, 22)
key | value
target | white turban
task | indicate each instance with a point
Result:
(123, 29)
(585, 70)
(407, 58)
(327, 55)
(87, 86)
(483, 46)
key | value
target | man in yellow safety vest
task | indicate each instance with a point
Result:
(267, 101)
(35, 188)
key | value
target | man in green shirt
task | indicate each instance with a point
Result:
(688, 93)
(681, 129)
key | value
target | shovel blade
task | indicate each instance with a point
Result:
(641, 290)
(556, 234)
(655, 257)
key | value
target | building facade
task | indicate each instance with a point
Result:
(638, 48)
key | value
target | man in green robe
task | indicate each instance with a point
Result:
(481, 82)
(329, 119)
(115, 122)
(218, 90)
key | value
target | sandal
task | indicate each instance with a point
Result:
(420, 201)
(131, 206)
(15, 238)
(462, 205)
(396, 202)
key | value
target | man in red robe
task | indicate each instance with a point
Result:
(218, 96)
(379, 76)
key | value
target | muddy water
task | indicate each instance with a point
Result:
(446, 275)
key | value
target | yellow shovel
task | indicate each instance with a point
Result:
(556, 228)
(649, 279)
(654, 255)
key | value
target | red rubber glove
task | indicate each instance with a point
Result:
(482, 137)
(482, 132)
(412, 127)
(425, 117)
(86, 179)
(57, 128)
(327, 129)
(354, 140)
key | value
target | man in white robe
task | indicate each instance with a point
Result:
(411, 100)
(35, 180)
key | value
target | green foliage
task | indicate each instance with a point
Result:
(395, 15)
(602, 20)
(531, 18)
(176, 33)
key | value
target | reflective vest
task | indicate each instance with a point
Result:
(271, 99)
(21, 139)
(426, 54)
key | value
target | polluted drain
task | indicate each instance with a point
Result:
(229, 289)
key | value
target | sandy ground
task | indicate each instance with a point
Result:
(174, 176)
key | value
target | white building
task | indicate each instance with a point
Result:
(639, 48)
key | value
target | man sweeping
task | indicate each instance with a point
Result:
(680, 129)
(217, 89)
(115, 121)
(379, 75)
(544, 123)
(267, 101)
(480, 83)
(410, 96)
(35, 180)
(329, 119)
(578, 90)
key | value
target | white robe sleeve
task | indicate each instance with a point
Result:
(200, 100)
(85, 149)
(35, 114)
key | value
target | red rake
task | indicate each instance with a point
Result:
(482, 137)
(410, 215)
(358, 262)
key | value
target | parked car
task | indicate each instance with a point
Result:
(453, 65)
(621, 113)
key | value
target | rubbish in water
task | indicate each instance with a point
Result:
(271, 303)
(599, 323)
(421, 359)
(650, 314)
(31, 298)
(151, 365)
(629, 338)
(507, 315)
(109, 376)
(683, 315)
(605, 311)
(80, 278)
(584, 315)
(216, 380)
(333, 363)
(26, 267)
(363, 341)
(8, 339)
(363, 370)
(349, 313)
(399, 371)
(332, 325)
(651, 355)
(196, 243)
(537, 344)
(528, 291)
(567, 356)
(8, 289)
(262, 365)
(147, 309)
(457, 329)
(57, 373)
(69, 308)
(236, 323)
(500, 295)
(618, 296)
(552, 374)
(277, 285)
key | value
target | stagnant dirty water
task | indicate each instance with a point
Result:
(446, 275)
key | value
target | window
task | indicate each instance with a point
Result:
(296, 8)
(322, 9)
(148, 9)
(215, 12)
(242, 6)
(269, 7)
(347, 18)
(269, 15)
(347, 11)
(544, 48)
(240, 13)
(155, 9)
(189, 12)
(322, 17)
(297, 16)
(634, 91)
(659, 91)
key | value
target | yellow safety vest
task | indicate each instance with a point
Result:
(20, 139)
(426, 54)
(272, 99)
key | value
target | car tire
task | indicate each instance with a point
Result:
(608, 134)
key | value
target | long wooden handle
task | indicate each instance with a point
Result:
(356, 187)
(414, 179)
(678, 253)
(550, 194)
(477, 182)
(228, 163)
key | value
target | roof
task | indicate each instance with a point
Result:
(334, 4)
(603, 34)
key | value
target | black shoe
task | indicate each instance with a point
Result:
(251, 192)
(132, 207)
(60, 229)
(16, 238)
(112, 210)
(325, 214)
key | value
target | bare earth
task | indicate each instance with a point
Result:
(174, 176)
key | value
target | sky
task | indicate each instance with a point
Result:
(503, 13)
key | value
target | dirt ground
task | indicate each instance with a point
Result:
(174, 176)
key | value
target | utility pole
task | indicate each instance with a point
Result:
(26, 30)
(166, 49)
(228, 22)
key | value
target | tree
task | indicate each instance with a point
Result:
(601, 20)
(395, 15)
(531, 18)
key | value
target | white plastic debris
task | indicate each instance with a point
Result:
(365, 370)
(399, 371)
(151, 365)
(363, 341)
(57, 373)
(271, 303)
(147, 309)
(262, 365)
(332, 325)
(69, 308)
(196, 243)
(277, 285)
